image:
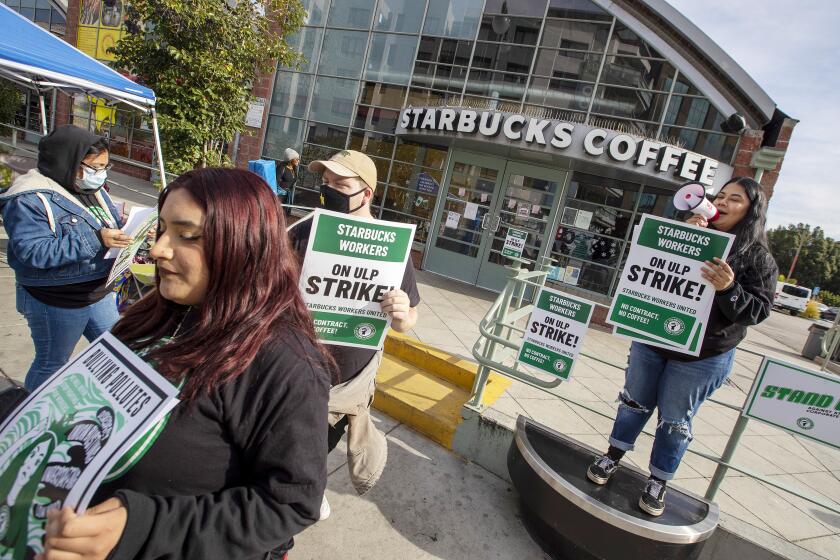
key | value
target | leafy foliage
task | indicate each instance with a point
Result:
(819, 259)
(10, 101)
(831, 299)
(200, 57)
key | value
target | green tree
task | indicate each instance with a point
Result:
(10, 101)
(818, 263)
(200, 57)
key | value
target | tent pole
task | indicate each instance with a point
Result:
(43, 112)
(158, 150)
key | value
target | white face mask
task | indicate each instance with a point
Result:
(92, 180)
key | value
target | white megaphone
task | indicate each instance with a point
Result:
(692, 196)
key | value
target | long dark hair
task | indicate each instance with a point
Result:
(752, 229)
(252, 293)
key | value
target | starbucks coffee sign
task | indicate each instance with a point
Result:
(575, 140)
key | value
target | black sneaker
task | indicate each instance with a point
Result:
(602, 469)
(652, 500)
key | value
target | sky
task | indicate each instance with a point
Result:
(792, 50)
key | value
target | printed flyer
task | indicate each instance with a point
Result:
(555, 332)
(351, 263)
(514, 243)
(661, 294)
(799, 400)
(62, 441)
(140, 221)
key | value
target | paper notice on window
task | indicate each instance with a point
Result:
(462, 192)
(536, 209)
(484, 197)
(471, 211)
(523, 211)
(583, 219)
(452, 220)
(60, 443)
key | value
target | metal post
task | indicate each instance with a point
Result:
(158, 150)
(490, 349)
(731, 445)
(832, 346)
(43, 113)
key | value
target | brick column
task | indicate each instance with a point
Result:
(64, 103)
(251, 140)
(750, 142)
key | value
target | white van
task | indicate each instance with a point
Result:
(791, 298)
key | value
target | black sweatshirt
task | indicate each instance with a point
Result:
(747, 302)
(237, 473)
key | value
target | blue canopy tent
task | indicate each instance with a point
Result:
(37, 59)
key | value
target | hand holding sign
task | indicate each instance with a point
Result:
(396, 304)
(90, 536)
(719, 273)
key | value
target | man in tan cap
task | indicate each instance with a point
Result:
(349, 181)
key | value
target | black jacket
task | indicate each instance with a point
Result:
(747, 302)
(237, 473)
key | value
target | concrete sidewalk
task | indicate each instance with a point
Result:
(796, 528)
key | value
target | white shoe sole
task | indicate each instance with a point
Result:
(596, 479)
(649, 510)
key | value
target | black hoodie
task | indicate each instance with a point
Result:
(61, 152)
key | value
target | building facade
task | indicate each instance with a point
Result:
(548, 116)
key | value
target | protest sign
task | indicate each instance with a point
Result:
(799, 400)
(661, 294)
(140, 221)
(555, 332)
(514, 243)
(351, 263)
(61, 442)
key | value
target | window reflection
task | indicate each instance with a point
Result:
(574, 65)
(291, 92)
(327, 135)
(332, 101)
(398, 15)
(562, 94)
(579, 35)
(306, 42)
(503, 29)
(355, 14)
(343, 53)
(577, 9)
(390, 58)
(452, 18)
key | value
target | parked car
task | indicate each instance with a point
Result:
(829, 314)
(791, 298)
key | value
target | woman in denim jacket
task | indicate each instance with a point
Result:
(60, 224)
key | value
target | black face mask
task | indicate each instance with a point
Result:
(337, 201)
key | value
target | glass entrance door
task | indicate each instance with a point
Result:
(528, 201)
(459, 242)
(484, 197)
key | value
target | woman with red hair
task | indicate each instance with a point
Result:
(239, 466)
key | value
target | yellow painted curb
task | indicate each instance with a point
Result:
(458, 371)
(421, 400)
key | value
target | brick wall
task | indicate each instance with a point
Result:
(64, 103)
(251, 141)
(750, 142)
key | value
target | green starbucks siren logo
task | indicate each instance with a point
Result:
(364, 331)
(674, 326)
(805, 423)
(559, 366)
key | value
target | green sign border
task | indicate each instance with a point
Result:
(746, 410)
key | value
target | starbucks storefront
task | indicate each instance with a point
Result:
(574, 189)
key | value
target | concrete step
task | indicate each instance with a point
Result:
(425, 388)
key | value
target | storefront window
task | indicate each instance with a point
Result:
(445, 51)
(282, 133)
(577, 9)
(574, 65)
(496, 85)
(531, 8)
(643, 73)
(576, 35)
(291, 92)
(504, 29)
(306, 42)
(390, 58)
(629, 103)
(355, 14)
(425, 155)
(507, 58)
(316, 11)
(343, 54)
(326, 135)
(562, 94)
(382, 95)
(372, 144)
(453, 18)
(376, 119)
(398, 15)
(333, 100)
(625, 41)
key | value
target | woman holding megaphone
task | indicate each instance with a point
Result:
(675, 383)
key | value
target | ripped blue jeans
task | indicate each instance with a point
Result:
(676, 389)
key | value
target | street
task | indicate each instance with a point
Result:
(786, 329)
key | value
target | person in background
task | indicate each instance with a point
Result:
(677, 384)
(349, 181)
(239, 466)
(60, 224)
(288, 175)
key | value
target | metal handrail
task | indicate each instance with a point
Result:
(500, 319)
